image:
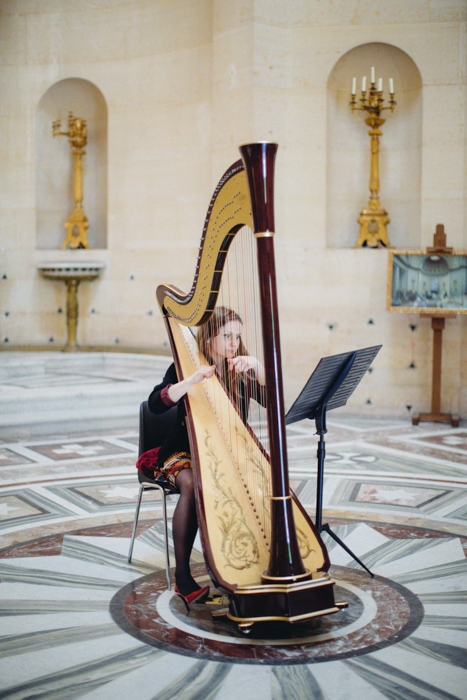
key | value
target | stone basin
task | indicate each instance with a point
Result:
(71, 270)
(72, 273)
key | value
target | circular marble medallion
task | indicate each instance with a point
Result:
(380, 612)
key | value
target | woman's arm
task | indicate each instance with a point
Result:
(178, 390)
(170, 391)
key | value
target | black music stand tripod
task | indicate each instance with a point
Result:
(331, 384)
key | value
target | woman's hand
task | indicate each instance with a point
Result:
(203, 372)
(247, 363)
(178, 390)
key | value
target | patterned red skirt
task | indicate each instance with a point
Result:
(147, 463)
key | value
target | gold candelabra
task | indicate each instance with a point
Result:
(77, 224)
(373, 219)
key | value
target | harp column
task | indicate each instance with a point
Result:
(285, 563)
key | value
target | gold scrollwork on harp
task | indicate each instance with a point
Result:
(303, 544)
(262, 478)
(239, 545)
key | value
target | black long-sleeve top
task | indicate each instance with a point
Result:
(177, 438)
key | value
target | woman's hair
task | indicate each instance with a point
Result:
(221, 315)
(239, 388)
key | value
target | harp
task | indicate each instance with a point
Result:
(259, 545)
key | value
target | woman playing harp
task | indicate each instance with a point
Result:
(259, 544)
(242, 375)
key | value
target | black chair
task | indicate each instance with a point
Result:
(152, 429)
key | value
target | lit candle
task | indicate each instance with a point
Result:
(372, 75)
(380, 85)
(391, 86)
(364, 83)
(354, 86)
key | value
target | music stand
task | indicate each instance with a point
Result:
(330, 386)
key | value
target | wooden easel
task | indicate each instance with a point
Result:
(437, 324)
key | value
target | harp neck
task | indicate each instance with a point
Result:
(228, 212)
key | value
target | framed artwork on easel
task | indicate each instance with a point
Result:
(432, 283)
(427, 282)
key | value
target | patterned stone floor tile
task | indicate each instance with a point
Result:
(79, 621)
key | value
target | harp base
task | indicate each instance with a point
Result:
(283, 602)
(268, 579)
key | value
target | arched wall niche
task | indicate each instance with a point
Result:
(348, 147)
(54, 163)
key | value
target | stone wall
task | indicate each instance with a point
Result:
(184, 83)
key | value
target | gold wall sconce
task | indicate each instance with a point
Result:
(374, 218)
(77, 223)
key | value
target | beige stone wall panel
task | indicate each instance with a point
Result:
(186, 82)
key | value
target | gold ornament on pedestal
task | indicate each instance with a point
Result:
(73, 272)
(77, 224)
(373, 219)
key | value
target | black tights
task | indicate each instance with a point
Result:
(185, 527)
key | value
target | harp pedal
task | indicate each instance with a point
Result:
(217, 600)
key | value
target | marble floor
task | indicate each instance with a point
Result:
(79, 621)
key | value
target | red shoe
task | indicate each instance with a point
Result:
(198, 596)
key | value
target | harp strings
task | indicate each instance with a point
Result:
(239, 291)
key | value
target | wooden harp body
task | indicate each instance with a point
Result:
(259, 544)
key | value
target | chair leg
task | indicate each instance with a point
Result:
(166, 531)
(166, 537)
(135, 522)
